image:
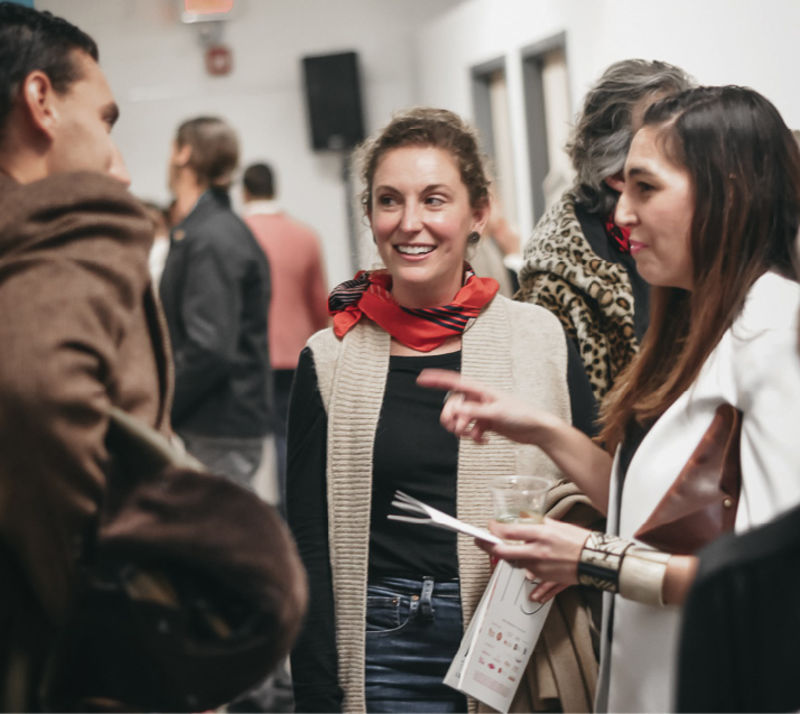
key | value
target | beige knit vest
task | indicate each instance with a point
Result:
(511, 346)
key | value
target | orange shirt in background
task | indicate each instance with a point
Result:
(299, 305)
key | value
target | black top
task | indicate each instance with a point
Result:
(741, 624)
(413, 453)
(215, 290)
(595, 233)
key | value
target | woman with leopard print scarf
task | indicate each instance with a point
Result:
(577, 262)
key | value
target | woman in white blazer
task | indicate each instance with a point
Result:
(712, 197)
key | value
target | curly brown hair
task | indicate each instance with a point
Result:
(427, 126)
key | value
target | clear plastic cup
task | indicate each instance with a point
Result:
(519, 499)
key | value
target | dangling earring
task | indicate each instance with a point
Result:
(473, 238)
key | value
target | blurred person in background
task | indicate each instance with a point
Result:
(215, 289)
(216, 292)
(577, 263)
(299, 305)
(497, 254)
(158, 251)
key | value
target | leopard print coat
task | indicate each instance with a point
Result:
(591, 296)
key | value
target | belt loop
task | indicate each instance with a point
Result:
(413, 607)
(426, 610)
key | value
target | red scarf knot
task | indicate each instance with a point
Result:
(421, 329)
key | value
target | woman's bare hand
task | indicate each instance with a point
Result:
(471, 409)
(549, 551)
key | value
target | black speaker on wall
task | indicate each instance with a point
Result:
(333, 96)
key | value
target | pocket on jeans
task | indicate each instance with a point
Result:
(386, 613)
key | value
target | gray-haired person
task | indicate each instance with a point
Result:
(577, 262)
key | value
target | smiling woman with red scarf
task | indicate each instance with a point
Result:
(389, 601)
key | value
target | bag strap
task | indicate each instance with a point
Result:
(163, 451)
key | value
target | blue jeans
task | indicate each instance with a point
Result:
(413, 632)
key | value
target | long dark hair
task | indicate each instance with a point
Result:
(744, 166)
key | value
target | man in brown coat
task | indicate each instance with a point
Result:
(81, 331)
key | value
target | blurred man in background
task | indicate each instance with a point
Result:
(299, 305)
(215, 289)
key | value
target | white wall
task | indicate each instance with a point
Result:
(155, 67)
(411, 52)
(750, 42)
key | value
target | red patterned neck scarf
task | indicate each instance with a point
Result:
(421, 329)
(621, 236)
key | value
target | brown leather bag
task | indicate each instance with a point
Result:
(701, 504)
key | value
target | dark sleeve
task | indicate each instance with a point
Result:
(581, 397)
(314, 657)
(210, 309)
